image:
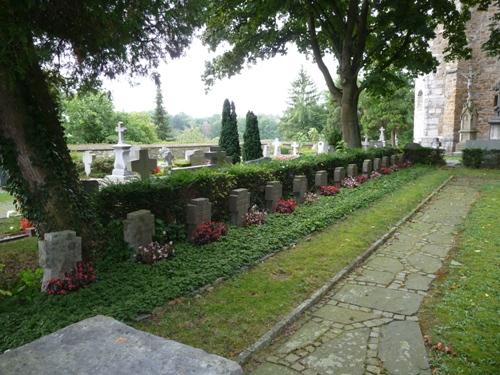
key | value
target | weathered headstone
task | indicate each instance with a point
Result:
(299, 188)
(338, 176)
(394, 160)
(385, 162)
(139, 228)
(377, 164)
(134, 153)
(265, 151)
(90, 186)
(239, 202)
(104, 346)
(144, 165)
(352, 170)
(321, 178)
(273, 193)
(381, 137)
(195, 157)
(58, 253)
(367, 167)
(198, 211)
(87, 159)
(218, 157)
(295, 149)
(167, 156)
(322, 147)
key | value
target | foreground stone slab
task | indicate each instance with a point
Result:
(104, 346)
(342, 355)
(402, 349)
(385, 264)
(272, 369)
(418, 282)
(424, 263)
(379, 277)
(391, 300)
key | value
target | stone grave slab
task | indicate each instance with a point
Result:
(385, 264)
(424, 263)
(198, 211)
(352, 170)
(90, 186)
(321, 178)
(306, 335)
(367, 167)
(402, 349)
(391, 300)
(299, 188)
(239, 202)
(273, 193)
(343, 316)
(144, 165)
(58, 253)
(377, 164)
(384, 162)
(139, 228)
(342, 355)
(104, 346)
(272, 369)
(338, 175)
(418, 282)
(393, 160)
(195, 157)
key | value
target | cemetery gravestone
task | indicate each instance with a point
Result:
(352, 170)
(144, 165)
(59, 252)
(120, 172)
(385, 162)
(299, 188)
(277, 149)
(198, 211)
(217, 157)
(90, 186)
(134, 153)
(239, 202)
(377, 164)
(195, 157)
(321, 178)
(265, 151)
(367, 167)
(167, 155)
(273, 193)
(139, 228)
(87, 159)
(322, 147)
(338, 176)
(295, 149)
(394, 160)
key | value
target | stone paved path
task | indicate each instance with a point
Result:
(368, 324)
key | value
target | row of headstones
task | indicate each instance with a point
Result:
(320, 148)
(60, 251)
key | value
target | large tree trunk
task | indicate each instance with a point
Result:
(349, 113)
(33, 150)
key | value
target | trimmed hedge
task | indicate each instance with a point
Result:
(478, 158)
(167, 198)
(425, 155)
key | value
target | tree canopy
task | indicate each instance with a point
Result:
(376, 38)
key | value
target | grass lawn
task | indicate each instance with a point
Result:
(5, 197)
(463, 309)
(126, 289)
(10, 225)
(17, 256)
(234, 314)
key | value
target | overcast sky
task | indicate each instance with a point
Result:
(262, 88)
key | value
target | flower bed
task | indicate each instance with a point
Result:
(286, 206)
(329, 190)
(209, 232)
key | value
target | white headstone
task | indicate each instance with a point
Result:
(265, 151)
(121, 172)
(365, 143)
(322, 147)
(87, 159)
(134, 153)
(295, 148)
(276, 145)
(381, 137)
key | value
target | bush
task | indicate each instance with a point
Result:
(101, 166)
(286, 206)
(285, 150)
(424, 155)
(167, 197)
(209, 232)
(154, 252)
(478, 158)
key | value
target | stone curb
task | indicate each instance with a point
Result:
(265, 340)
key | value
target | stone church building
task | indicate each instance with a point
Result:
(455, 103)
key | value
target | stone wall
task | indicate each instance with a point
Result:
(440, 96)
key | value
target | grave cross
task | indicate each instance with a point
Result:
(87, 159)
(120, 129)
(144, 165)
(276, 145)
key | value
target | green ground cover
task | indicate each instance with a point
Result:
(236, 313)
(16, 256)
(5, 197)
(10, 225)
(463, 309)
(127, 289)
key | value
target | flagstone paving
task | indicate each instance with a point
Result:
(368, 323)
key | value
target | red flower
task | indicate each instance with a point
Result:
(82, 275)
(209, 232)
(286, 206)
(361, 179)
(25, 224)
(156, 170)
(328, 190)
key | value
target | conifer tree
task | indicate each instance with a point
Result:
(229, 138)
(251, 148)
(160, 117)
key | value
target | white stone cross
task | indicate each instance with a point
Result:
(381, 138)
(276, 145)
(87, 159)
(295, 148)
(120, 129)
(144, 165)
